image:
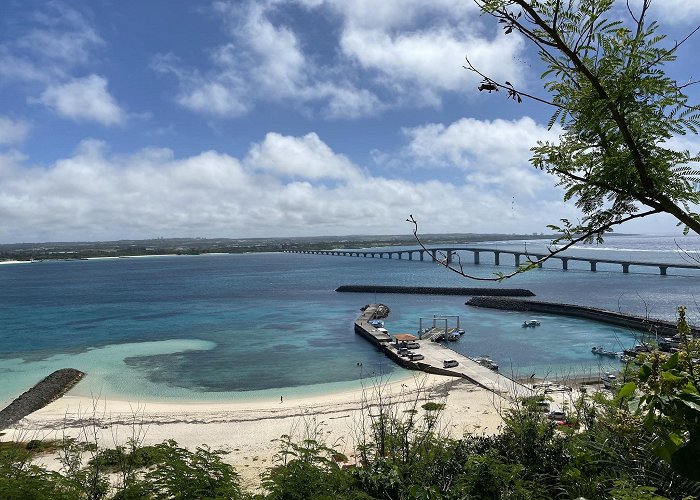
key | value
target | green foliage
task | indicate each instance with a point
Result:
(308, 470)
(617, 108)
(669, 402)
(182, 474)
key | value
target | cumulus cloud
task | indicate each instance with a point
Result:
(13, 131)
(489, 152)
(304, 157)
(277, 188)
(400, 55)
(84, 99)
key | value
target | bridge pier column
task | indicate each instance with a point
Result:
(410, 255)
(449, 256)
(497, 258)
(433, 253)
(517, 259)
(421, 252)
(564, 263)
(625, 268)
(663, 270)
(476, 257)
(400, 254)
(593, 265)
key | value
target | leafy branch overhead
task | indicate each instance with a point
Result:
(606, 81)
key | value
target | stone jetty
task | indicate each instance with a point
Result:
(49, 389)
(648, 325)
(434, 290)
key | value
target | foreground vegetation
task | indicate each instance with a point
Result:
(640, 442)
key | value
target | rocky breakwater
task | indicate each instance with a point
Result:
(47, 390)
(640, 323)
(436, 290)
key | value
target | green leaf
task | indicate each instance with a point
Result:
(670, 377)
(671, 363)
(627, 389)
(644, 372)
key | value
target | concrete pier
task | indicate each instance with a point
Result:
(643, 324)
(435, 290)
(433, 356)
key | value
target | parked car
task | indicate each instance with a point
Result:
(449, 363)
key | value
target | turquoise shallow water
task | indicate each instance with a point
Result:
(229, 327)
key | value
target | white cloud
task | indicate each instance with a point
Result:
(679, 12)
(303, 157)
(61, 40)
(494, 153)
(386, 55)
(13, 131)
(84, 99)
(280, 188)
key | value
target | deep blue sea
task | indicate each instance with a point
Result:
(232, 327)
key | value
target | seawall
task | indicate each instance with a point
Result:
(433, 290)
(47, 390)
(665, 328)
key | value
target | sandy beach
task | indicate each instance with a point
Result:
(249, 430)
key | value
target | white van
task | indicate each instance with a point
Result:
(449, 363)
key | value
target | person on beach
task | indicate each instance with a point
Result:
(281, 399)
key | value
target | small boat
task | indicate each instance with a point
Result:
(636, 350)
(608, 380)
(531, 323)
(453, 336)
(377, 323)
(487, 363)
(600, 350)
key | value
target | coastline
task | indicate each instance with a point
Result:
(249, 430)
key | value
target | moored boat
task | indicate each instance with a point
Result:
(608, 380)
(600, 350)
(531, 323)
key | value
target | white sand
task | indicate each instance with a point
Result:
(248, 430)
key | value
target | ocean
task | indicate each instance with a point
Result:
(259, 326)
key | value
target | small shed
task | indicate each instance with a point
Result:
(404, 337)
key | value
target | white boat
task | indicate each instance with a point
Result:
(531, 323)
(377, 323)
(608, 380)
(603, 352)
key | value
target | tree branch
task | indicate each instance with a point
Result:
(531, 263)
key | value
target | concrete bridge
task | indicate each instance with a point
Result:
(519, 257)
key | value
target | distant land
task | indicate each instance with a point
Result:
(196, 246)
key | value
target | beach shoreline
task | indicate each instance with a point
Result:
(249, 430)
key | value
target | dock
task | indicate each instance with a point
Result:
(434, 354)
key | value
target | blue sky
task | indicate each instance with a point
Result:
(123, 119)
